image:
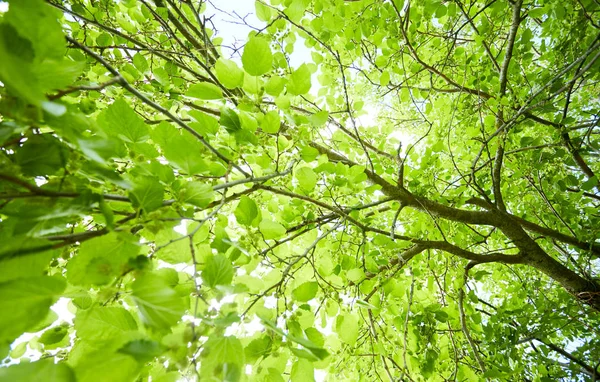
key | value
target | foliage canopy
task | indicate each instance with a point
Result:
(415, 199)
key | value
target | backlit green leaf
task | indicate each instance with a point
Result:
(230, 75)
(271, 229)
(299, 81)
(257, 57)
(263, 12)
(230, 120)
(121, 121)
(41, 155)
(246, 211)
(147, 194)
(159, 305)
(107, 366)
(25, 302)
(302, 371)
(198, 194)
(346, 327)
(44, 370)
(205, 90)
(271, 122)
(217, 271)
(98, 262)
(104, 323)
(223, 357)
(306, 291)
(306, 178)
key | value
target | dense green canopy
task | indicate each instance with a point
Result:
(366, 190)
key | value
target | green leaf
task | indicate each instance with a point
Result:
(57, 75)
(246, 211)
(271, 229)
(140, 62)
(161, 76)
(309, 154)
(107, 366)
(263, 12)
(222, 358)
(355, 275)
(121, 121)
(142, 350)
(44, 370)
(159, 305)
(32, 47)
(205, 91)
(230, 75)
(217, 271)
(197, 193)
(274, 375)
(257, 57)
(54, 335)
(104, 324)
(384, 79)
(271, 122)
(104, 39)
(258, 347)
(346, 326)
(15, 267)
(307, 178)
(305, 292)
(299, 81)
(296, 9)
(365, 305)
(304, 354)
(174, 249)
(182, 151)
(315, 336)
(302, 371)
(319, 118)
(589, 184)
(16, 71)
(101, 260)
(41, 155)
(230, 120)
(315, 350)
(25, 302)
(275, 85)
(205, 124)
(147, 194)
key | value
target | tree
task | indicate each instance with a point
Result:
(417, 199)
